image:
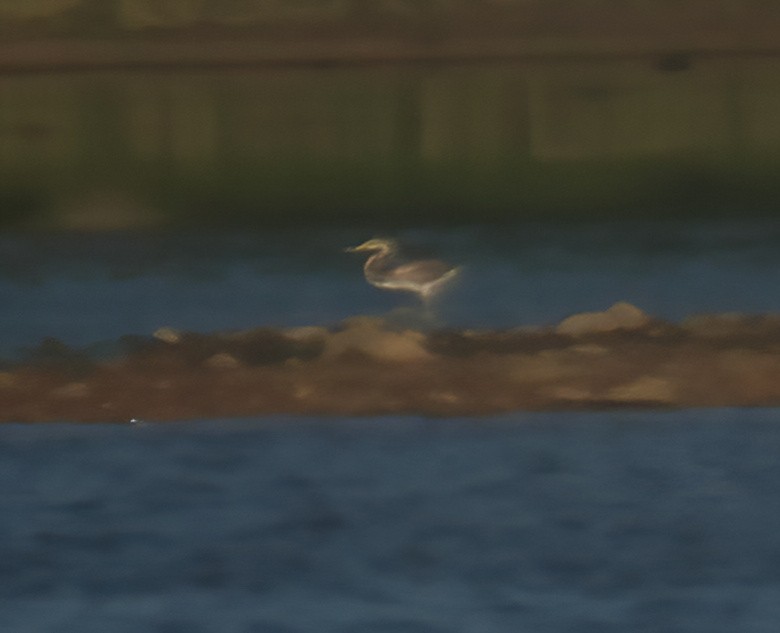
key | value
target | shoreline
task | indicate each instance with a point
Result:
(75, 56)
(619, 358)
(139, 35)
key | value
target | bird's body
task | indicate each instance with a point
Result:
(383, 270)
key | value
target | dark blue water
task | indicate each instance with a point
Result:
(530, 522)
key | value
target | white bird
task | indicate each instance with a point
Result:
(383, 269)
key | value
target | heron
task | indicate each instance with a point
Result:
(384, 269)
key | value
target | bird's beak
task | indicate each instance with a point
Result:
(352, 249)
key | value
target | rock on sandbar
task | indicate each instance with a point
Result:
(621, 316)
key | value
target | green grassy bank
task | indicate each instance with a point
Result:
(132, 113)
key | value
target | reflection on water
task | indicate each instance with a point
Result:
(347, 142)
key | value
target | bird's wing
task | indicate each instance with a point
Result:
(420, 272)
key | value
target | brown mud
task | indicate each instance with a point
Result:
(142, 35)
(365, 366)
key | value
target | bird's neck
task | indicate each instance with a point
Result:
(378, 262)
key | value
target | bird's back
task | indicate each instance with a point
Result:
(420, 272)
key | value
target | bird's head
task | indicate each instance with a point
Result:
(374, 244)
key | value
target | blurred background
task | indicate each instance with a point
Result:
(118, 114)
(201, 164)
